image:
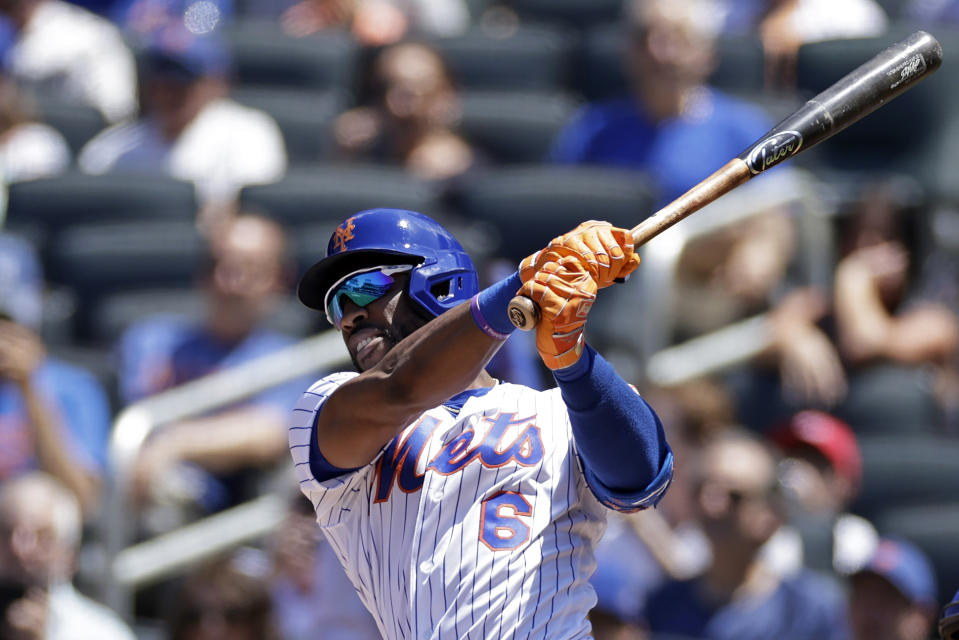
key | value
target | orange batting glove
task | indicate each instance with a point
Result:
(565, 292)
(605, 251)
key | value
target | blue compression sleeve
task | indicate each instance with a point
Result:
(619, 437)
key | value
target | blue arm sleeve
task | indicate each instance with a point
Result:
(619, 437)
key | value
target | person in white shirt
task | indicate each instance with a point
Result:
(188, 128)
(68, 53)
(40, 525)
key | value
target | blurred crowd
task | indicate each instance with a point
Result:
(168, 167)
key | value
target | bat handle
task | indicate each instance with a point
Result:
(523, 313)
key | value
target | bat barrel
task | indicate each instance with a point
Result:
(859, 93)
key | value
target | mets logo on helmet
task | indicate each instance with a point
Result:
(342, 235)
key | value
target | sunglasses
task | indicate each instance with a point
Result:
(361, 287)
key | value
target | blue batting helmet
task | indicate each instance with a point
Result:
(443, 275)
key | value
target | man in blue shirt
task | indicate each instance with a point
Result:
(218, 455)
(672, 126)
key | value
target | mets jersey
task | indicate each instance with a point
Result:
(476, 521)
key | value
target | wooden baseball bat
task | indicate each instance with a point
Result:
(857, 94)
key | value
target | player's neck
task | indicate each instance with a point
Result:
(483, 381)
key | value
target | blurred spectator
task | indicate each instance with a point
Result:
(677, 129)
(40, 528)
(65, 52)
(214, 460)
(785, 25)
(410, 115)
(738, 596)
(878, 314)
(309, 588)
(640, 552)
(188, 128)
(861, 350)
(822, 472)
(949, 621)
(28, 149)
(673, 126)
(54, 416)
(226, 598)
(372, 22)
(894, 596)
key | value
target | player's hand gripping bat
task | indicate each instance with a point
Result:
(857, 94)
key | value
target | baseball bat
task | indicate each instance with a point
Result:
(857, 94)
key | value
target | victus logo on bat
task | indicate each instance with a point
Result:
(773, 150)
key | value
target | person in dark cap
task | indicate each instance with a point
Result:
(188, 127)
(893, 597)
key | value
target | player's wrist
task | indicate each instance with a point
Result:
(489, 307)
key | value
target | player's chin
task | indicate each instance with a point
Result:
(370, 355)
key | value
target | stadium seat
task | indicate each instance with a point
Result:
(598, 71)
(514, 126)
(325, 192)
(264, 55)
(43, 208)
(576, 14)
(907, 470)
(95, 260)
(526, 206)
(114, 313)
(529, 57)
(76, 198)
(933, 529)
(77, 123)
(305, 117)
(891, 399)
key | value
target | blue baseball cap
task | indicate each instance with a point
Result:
(907, 568)
(21, 281)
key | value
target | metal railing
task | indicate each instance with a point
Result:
(128, 566)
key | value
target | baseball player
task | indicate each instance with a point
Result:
(459, 505)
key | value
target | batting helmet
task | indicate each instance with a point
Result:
(443, 274)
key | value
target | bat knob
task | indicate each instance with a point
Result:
(523, 313)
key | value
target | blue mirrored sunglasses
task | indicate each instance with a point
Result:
(362, 287)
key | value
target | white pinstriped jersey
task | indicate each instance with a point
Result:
(477, 524)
